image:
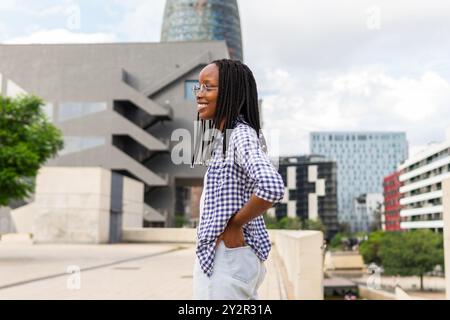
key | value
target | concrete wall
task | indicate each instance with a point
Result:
(302, 255)
(373, 294)
(72, 205)
(133, 203)
(6, 223)
(166, 235)
(446, 218)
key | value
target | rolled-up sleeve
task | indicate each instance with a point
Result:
(257, 165)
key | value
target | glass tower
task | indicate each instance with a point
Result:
(363, 160)
(194, 20)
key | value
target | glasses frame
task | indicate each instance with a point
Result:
(196, 88)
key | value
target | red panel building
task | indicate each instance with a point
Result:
(391, 185)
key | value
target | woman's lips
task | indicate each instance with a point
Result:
(201, 107)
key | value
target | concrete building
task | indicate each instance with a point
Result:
(391, 193)
(365, 208)
(193, 20)
(363, 159)
(118, 106)
(421, 192)
(311, 190)
(446, 233)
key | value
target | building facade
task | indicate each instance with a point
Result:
(421, 192)
(391, 193)
(367, 210)
(195, 20)
(120, 107)
(310, 190)
(363, 159)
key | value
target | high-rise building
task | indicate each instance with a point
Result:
(310, 190)
(195, 20)
(421, 192)
(391, 193)
(363, 159)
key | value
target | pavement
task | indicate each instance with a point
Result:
(111, 271)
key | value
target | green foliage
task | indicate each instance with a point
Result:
(283, 223)
(411, 253)
(369, 249)
(292, 223)
(180, 221)
(338, 240)
(27, 140)
(309, 224)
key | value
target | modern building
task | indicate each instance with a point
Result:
(195, 20)
(363, 159)
(421, 192)
(120, 106)
(391, 193)
(366, 207)
(310, 190)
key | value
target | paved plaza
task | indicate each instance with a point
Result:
(118, 271)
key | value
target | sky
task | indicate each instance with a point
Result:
(320, 65)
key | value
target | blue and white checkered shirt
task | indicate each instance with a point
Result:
(231, 181)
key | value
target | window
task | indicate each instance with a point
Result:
(75, 144)
(72, 110)
(188, 93)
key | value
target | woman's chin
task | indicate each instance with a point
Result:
(204, 116)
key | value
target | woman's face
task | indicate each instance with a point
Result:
(207, 96)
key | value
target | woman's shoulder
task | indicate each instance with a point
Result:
(243, 130)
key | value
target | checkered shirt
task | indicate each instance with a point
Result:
(231, 181)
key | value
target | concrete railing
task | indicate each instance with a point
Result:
(302, 255)
(299, 251)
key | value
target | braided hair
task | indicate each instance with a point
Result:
(237, 97)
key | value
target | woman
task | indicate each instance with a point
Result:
(240, 184)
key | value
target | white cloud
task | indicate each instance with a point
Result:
(142, 20)
(62, 36)
(368, 98)
(7, 4)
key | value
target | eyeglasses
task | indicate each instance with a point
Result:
(203, 87)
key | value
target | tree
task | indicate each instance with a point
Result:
(282, 223)
(292, 223)
(417, 253)
(289, 223)
(309, 224)
(369, 249)
(27, 140)
(339, 240)
(181, 221)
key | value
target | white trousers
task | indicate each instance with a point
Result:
(237, 275)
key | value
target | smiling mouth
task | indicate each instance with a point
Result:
(201, 106)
